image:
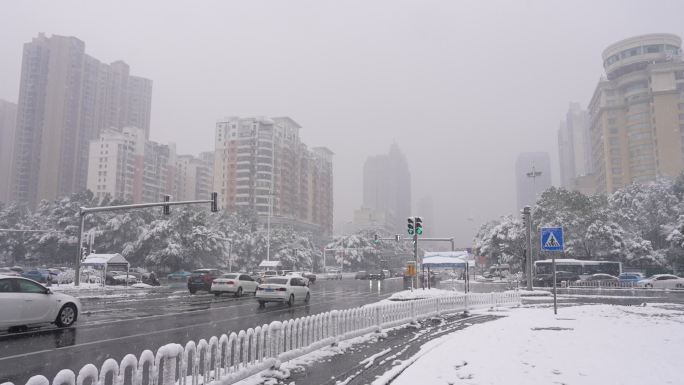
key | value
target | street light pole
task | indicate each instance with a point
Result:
(268, 227)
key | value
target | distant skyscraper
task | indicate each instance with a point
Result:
(574, 145)
(532, 177)
(8, 115)
(387, 187)
(194, 176)
(637, 114)
(65, 99)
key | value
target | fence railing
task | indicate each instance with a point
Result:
(603, 284)
(232, 357)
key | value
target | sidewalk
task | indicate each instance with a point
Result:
(361, 363)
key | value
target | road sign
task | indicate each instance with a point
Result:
(552, 238)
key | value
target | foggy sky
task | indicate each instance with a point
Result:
(461, 87)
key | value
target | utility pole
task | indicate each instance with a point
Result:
(527, 221)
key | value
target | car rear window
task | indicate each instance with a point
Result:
(199, 273)
(229, 276)
(277, 281)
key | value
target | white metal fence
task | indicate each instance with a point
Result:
(603, 284)
(229, 358)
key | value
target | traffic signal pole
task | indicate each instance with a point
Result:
(84, 211)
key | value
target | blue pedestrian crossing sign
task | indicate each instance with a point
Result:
(552, 238)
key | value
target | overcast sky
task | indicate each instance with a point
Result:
(461, 86)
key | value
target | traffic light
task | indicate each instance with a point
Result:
(167, 208)
(214, 202)
(419, 225)
(411, 226)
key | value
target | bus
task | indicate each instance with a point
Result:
(583, 268)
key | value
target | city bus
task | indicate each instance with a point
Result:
(583, 268)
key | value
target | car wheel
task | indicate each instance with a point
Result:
(217, 294)
(238, 293)
(307, 298)
(648, 286)
(193, 291)
(67, 316)
(262, 303)
(291, 300)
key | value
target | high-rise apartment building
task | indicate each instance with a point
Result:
(260, 163)
(532, 177)
(115, 162)
(65, 99)
(8, 118)
(387, 188)
(194, 176)
(574, 146)
(125, 165)
(637, 112)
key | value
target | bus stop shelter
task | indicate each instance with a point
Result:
(106, 262)
(448, 260)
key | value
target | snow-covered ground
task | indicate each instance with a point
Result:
(591, 344)
(406, 295)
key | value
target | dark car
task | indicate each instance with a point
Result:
(547, 279)
(40, 275)
(361, 275)
(378, 274)
(310, 276)
(201, 279)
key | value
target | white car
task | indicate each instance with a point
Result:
(662, 281)
(235, 283)
(288, 289)
(25, 302)
(333, 274)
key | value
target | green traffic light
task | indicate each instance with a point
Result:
(410, 231)
(419, 230)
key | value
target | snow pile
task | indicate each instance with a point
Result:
(534, 293)
(407, 295)
(593, 344)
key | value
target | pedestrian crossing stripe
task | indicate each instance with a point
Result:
(551, 242)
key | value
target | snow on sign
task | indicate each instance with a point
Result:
(552, 238)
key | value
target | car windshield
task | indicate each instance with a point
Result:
(277, 281)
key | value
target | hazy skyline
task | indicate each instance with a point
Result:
(462, 88)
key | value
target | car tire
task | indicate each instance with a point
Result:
(648, 286)
(238, 293)
(262, 303)
(217, 294)
(291, 300)
(307, 298)
(67, 316)
(193, 291)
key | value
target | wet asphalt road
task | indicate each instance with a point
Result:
(117, 325)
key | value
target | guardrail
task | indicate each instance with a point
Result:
(230, 358)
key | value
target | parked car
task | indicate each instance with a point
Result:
(9, 272)
(662, 281)
(180, 275)
(270, 273)
(284, 272)
(40, 275)
(547, 279)
(288, 289)
(377, 274)
(201, 279)
(361, 275)
(333, 274)
(601, 277)
(120, 278)
(235, 283)
(25, 302)
(630, 277)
